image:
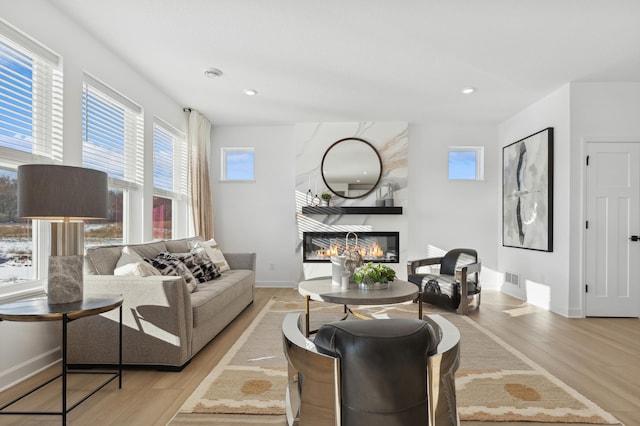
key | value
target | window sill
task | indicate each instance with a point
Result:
(11, 292)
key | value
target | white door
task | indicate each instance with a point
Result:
(612, 231)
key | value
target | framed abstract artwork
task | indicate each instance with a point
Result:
(527, 192)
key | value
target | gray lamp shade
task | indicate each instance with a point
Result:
(56, 192)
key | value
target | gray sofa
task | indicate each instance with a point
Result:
(164, 325)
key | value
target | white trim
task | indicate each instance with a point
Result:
(26, 42)
(104, 88)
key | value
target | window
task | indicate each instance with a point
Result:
(112, 133)
(110, 230)
(15, 234)
(30, 132)
(466, 163)
(237, 164)
(112, 141)
(162, 218)
(170, 180)
(30, 99)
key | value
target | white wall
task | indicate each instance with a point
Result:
(446, 214)
(604, 112)
(259, 216)
(36, 345)
(579, 112)
(544, 276)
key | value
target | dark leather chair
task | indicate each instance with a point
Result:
(372, 372)
(456, 286)
(380, 384)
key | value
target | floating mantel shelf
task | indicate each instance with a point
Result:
(309, 210)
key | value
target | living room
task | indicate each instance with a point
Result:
(260, 216)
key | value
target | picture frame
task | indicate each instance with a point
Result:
(527, 192)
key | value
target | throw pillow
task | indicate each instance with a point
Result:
(199, 264)
(214, 253)
(168, 264)
(131, 263)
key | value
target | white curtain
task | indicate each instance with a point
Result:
(201, 205)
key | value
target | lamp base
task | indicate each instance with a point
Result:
(65, 279)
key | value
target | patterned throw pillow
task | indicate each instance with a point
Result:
(168, 264)
(214, 253)
(199, 264)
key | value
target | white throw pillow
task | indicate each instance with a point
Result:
(214, 253)
(131, 263)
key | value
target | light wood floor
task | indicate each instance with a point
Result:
(599, 357)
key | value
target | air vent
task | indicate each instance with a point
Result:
(511, 278)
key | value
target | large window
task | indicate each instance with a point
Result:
(169, 176)
(30, 132)
(16, 241)
(112, 133)
(30, 99)
(110, 230)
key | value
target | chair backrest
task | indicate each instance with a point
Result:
(383, 369)
(456, 258)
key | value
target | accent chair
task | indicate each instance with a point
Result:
(457, 284)
(372, 372)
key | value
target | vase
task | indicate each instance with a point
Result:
(368, 284)
(324, 203)
(374, 286)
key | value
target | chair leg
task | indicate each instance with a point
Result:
(463, 307)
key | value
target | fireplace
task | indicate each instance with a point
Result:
(378, 247)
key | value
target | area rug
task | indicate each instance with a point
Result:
(495, 382)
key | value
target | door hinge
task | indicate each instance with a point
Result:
(587, 224)
(587, 160)
(586, 288)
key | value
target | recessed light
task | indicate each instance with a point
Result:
(250, 92)
(212, 73)
(468, 90)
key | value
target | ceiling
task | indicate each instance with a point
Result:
(366, 60)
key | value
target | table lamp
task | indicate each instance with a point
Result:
(66, 196)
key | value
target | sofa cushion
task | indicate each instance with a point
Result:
(102, 260)
(131, 263)
(149, 250)
(181, 246)
(169, 264)
(212, 296)
(199, 264)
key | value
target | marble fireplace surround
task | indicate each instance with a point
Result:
(391, 141)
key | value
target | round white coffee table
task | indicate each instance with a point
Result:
(322, 290)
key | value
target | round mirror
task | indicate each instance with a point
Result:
(351, 168)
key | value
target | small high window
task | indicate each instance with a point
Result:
(238, 164)
(466, 163)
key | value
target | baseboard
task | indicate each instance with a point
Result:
(28, 368)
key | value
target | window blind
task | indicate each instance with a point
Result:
(170, 160)
(112, 133)
(30, 98)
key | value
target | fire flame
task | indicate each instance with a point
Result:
(329, 251)
(374, 251)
